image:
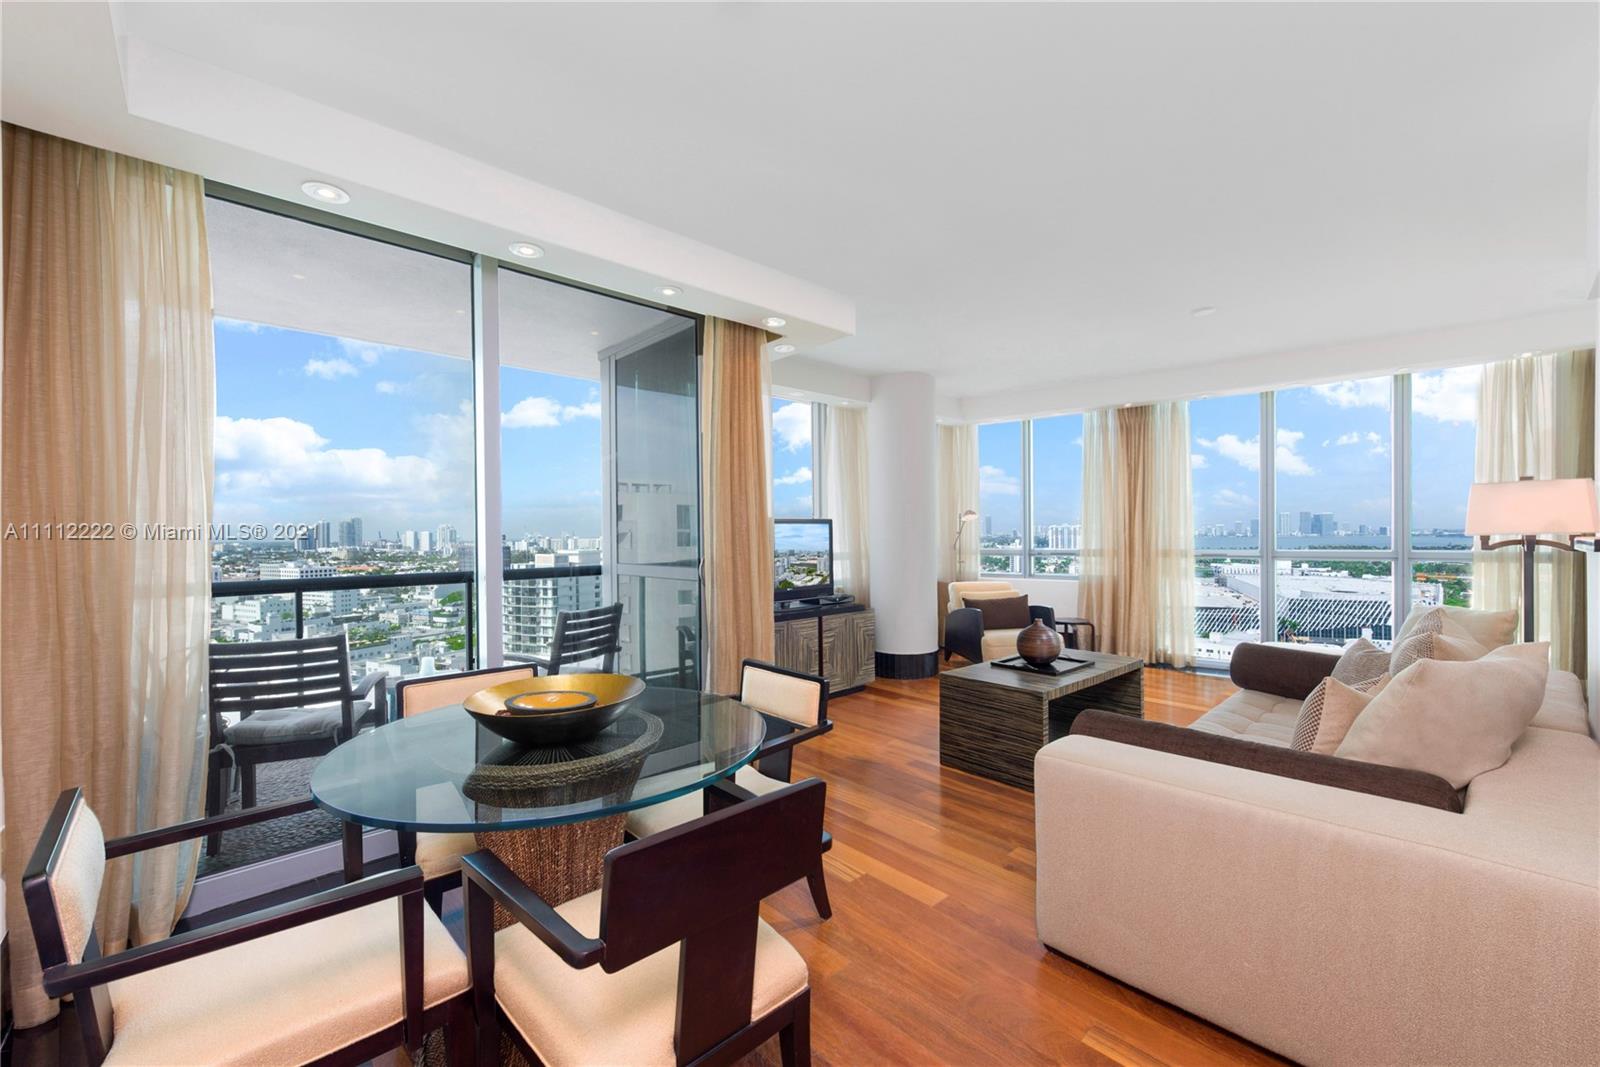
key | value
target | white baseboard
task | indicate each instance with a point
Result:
(243, 883)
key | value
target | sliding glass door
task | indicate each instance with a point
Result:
(653, 430)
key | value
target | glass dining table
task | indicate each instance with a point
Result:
(550, 813)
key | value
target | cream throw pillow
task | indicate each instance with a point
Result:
(1328, 711)
(1435, 636)
(1491, 629)
(1453, 719)
(1361, 661)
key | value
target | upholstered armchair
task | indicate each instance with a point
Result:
(336, 977)
(965, 634)
(795, 707)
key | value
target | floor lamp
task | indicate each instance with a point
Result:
(1528, 508)
(955, 546)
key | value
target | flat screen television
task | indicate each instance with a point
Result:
(802, 558)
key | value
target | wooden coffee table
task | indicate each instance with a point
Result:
(993, 720)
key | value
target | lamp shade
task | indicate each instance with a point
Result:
(1551, 506)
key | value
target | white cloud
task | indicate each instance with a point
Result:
(1365, 393)
(235, 325)
(330, 368)
(1196, 461)
(797, 477)
(390, 388)
(1247, 453)
(1356, 437)
(792, 426)
(1447, 395)
(994, 480)
(275, 455)
(366, 351)
(542, 411)
(1232, 498)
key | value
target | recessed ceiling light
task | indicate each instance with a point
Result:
(594, 333)
(773, 322)
(783, 349)
(668, 290)
(298, 277)
(461, 311)
(1202, 312)
(323, 193)
(526, 249)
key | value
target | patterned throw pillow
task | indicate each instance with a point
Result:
(1435, 636)
(1328, 711)
(1361, 661)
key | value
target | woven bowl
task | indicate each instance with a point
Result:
(556, 725)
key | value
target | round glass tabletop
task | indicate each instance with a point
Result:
(440, 772)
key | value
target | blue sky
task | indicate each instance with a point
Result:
(1333, 455)
(313, 427)
(791, 459)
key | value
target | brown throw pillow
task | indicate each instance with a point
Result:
(1004, 613)
(1361, 661)
(1327, 713)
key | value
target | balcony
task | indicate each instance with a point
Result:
(411, 623)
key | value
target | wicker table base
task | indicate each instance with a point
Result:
(557, 862)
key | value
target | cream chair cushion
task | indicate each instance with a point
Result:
(417, 696)
(799, 700)
(997, 644)
(587, 1016)
(75, 885)
(1491, 629)
(961, 592)
(288, 998)
(1251, 715)
(440, 854)
(643, 822)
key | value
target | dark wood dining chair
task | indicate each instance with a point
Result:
(439, 855)
(337, 977)
(594, 633)
(684, 958)
(294, 699)
(795, 707)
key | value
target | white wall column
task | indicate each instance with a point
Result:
(902, 472)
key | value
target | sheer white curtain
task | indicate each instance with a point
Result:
(1536, 418)
(841, 448)
(1138, 532)
(109, 404)
(958, 492)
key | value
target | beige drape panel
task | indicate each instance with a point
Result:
(842, 485)
(1536, 417)
(1138, 529)
(737, 521)
(109, 404)
(958, 491)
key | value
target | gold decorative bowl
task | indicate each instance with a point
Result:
(553, 710)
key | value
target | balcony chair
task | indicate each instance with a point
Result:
(439, 855)
(581, 635)
(964, 632)
(795, 707)
(337, 977)
(294, 700)
(688, 971)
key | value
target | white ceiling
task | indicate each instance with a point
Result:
(1011, 195)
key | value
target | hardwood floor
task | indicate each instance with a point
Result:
(931, 956)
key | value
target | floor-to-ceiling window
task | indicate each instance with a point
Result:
(1444, 435)
(1349, 514)
(1055, 514)
(344, 466)
(1225, 472)
(793, 469)
(1000, 497)
(1334, 579)
(552, 339)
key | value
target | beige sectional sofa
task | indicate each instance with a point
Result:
(1331, 926)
